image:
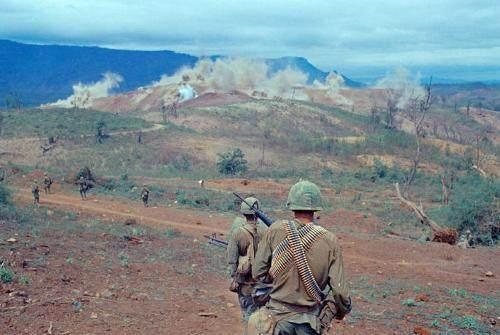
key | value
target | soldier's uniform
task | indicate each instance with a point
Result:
(243, 243)
(145, 195)
(35, 190)
(84, 186)
(47, 183)
(291, 309)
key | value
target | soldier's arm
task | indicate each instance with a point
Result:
(233, 253)
(262, 261)
(338, 283)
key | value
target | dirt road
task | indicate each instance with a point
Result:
(385, 273)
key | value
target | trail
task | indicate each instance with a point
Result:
(159, 217)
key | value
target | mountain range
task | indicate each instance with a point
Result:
(44, 73)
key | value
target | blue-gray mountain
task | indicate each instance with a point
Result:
(44, 73)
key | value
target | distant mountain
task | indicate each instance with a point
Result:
(45, 73)
(303, 65)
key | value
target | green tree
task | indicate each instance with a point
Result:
(232, 162)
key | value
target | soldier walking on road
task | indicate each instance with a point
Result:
(84, 187)
(47, 183)
(303, 262)
(242, 248)
(35, 190)
(145, 195)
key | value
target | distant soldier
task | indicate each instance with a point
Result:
(304, 263)
(35, 190)
(84, 187)
(242, 247)
(145, 195)
(47, 183)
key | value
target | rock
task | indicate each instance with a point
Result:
(12, 240)
(230, 305)
(49, 212)
(130, 221)
(93, 315)
(423, 298)
(107, 294)
(418, 330)
(489, 274)
(76, 292)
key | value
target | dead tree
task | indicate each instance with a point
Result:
(419, 108)
(438, 234)
(392, 97)
(444, 189)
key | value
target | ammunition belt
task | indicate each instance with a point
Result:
(293, 248)
(282, 255)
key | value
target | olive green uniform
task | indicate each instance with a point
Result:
(35, 190)
(238, 246)
(145, 196)
(289, 299)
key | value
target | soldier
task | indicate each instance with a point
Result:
(301, 260)
(35, 190)
(145, 195)
(47, 183)
(84, 187)
(241, 251)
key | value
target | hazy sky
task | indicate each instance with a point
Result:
(456, 38)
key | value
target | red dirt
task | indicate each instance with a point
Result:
(166, 297)
(213, 99)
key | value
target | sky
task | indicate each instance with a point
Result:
(456, 39)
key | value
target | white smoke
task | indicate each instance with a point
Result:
(401, 86)
(186, 92)
(334, 82)
(84, 94)
(238, 74)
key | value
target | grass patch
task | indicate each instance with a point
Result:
(68, 123)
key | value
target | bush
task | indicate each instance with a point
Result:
(474, 206)
(232, 162)
(4, 195)
(6, 274)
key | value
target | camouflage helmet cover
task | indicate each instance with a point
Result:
(304, 196)
(245, 209)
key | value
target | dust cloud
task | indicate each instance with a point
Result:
(84, 94)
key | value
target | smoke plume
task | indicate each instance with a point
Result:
(237, 74)
(401, 86)
(84, 94)
(334, 82)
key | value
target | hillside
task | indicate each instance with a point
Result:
(110, 263)
(46, 73)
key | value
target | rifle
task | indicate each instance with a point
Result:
(260, 214)
(212, 239)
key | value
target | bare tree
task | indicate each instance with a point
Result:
(419, 108)
(392, 98)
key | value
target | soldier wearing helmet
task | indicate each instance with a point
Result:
(243, 242)
(145, 195)
(303, 263)
(35, 190)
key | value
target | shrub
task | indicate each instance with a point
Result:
(232, 162)
(474, 206)
(6, 274)
(4, 195)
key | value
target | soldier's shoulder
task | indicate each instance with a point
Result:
(278, 225)
(329, 236)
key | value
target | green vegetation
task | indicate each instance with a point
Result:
(6, 273)
(232, 162)
(68, 123)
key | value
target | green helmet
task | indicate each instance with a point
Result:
(245, 209)
(304, 196)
